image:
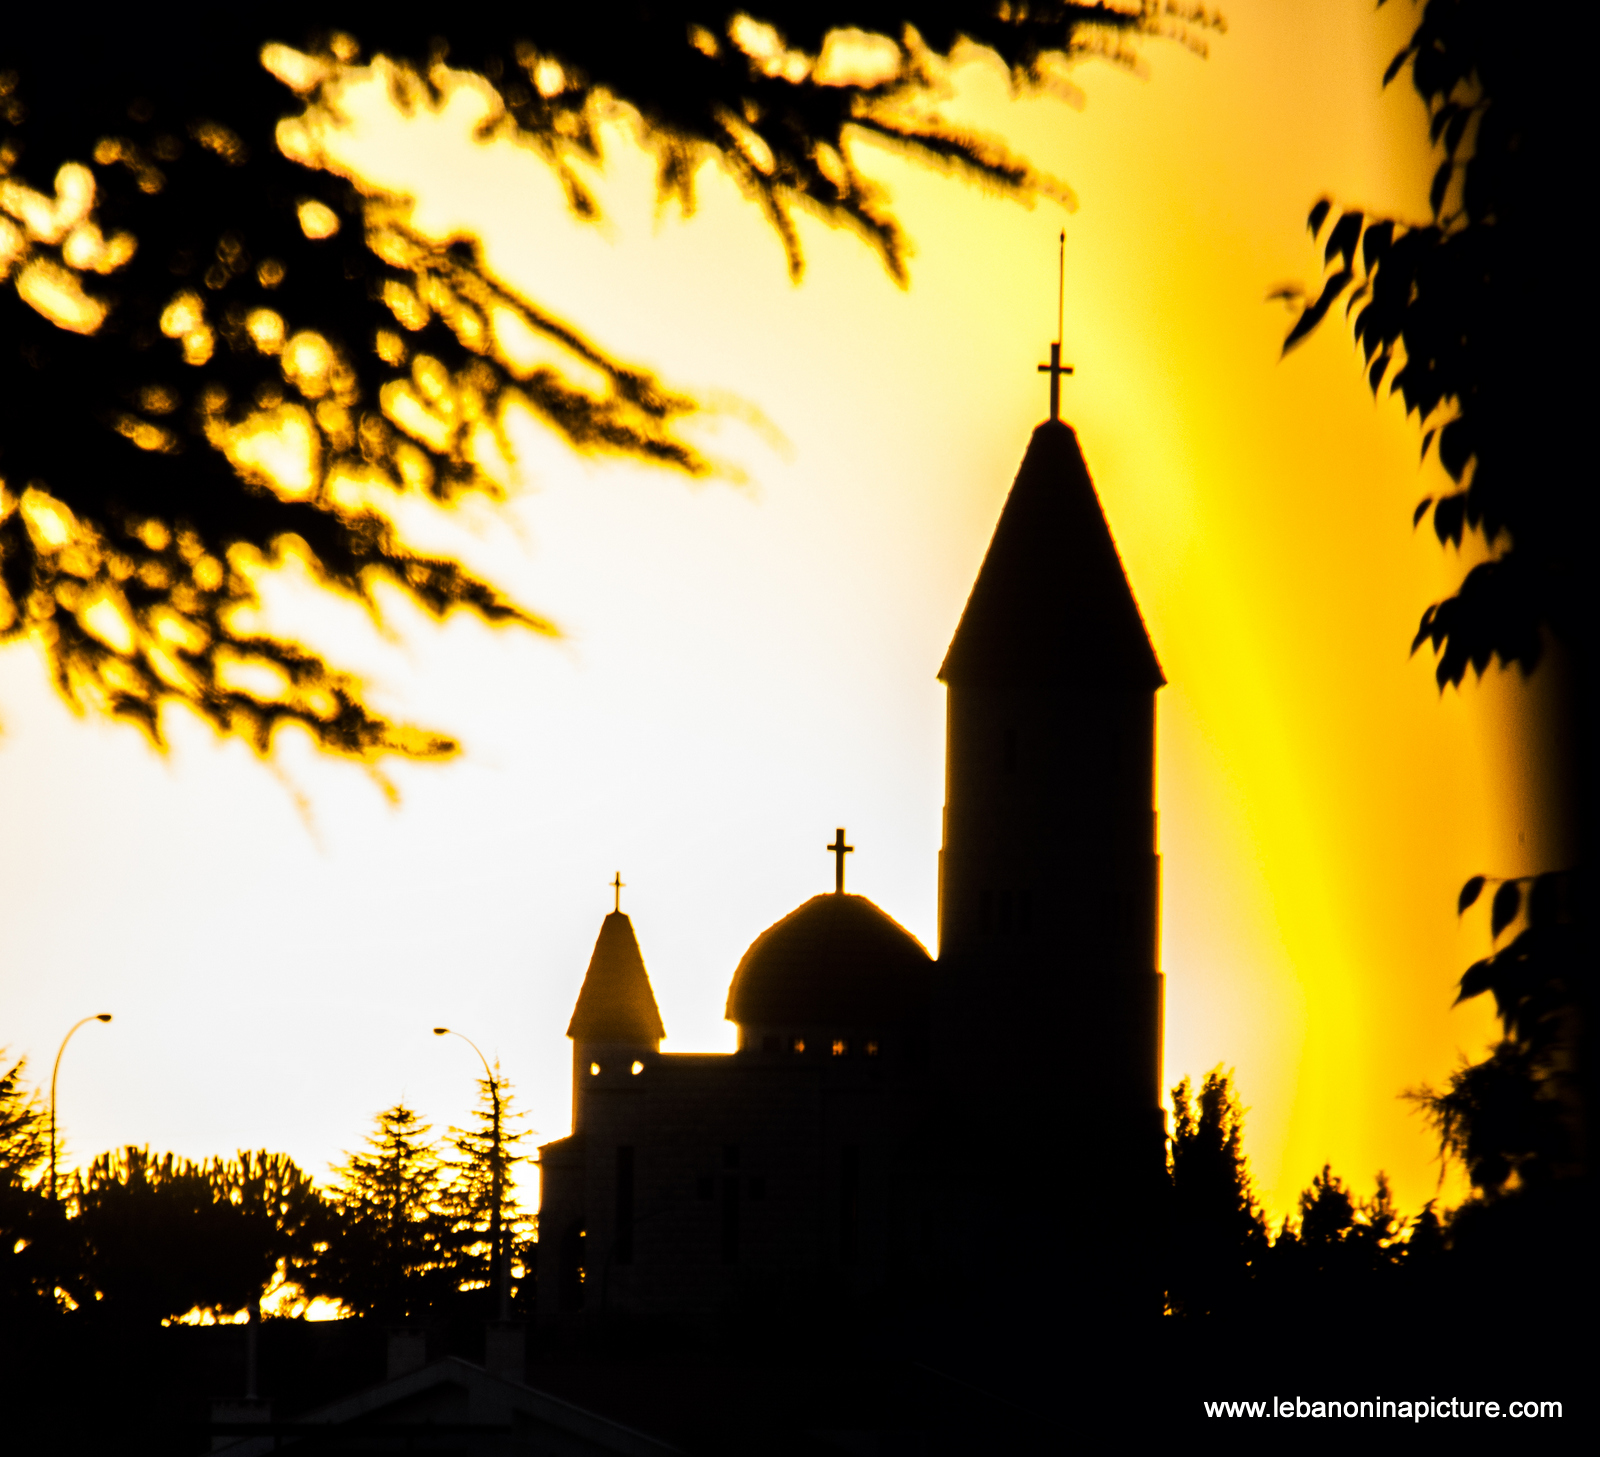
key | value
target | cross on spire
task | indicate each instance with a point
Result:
(840, 850)
(617, 885)
(1055, 368)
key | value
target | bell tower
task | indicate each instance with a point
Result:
(616, 1026)
(1048, 1019)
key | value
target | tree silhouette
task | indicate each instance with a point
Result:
(155, 1237)
(1460, 316)
(1327, 1212)
(24, 1127)
(1216, 1230)
(146, 1229)
(1494, 1121)
(384, 1252)
(476, 1171)
(277, 1222)
(215, 352)
(24, 1224)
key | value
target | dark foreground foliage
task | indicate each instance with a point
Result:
(1471, 318)
(216, 352)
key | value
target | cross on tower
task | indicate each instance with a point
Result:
(1055, 368)
(840, 850)
(617, 886)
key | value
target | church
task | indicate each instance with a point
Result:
(976, 1133)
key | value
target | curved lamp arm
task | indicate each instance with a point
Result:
(55, 1072)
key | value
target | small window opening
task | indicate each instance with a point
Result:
(841, 1048)
(797, 1044)
(870, 1047)
(636, 1069)
(594, 1069)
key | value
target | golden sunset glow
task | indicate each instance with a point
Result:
(749, 661)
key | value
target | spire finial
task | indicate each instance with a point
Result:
(617, 885)
(1055, 368)
(840, 850)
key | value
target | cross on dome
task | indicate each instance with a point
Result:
(840, 850)
(617, 885)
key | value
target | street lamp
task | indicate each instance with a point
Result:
(55, 1072)
(500, 1257)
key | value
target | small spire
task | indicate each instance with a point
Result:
(618, 885)
(840, 850)
(616, 1003)
(1055, 368)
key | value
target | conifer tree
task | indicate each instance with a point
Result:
(1216, 1230)
(1327, 1211)
(384, 1256)
(479, 1173)
(24, 1127)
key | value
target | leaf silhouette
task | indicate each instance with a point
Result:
(1313, 315)
(1476, 979)
(1507, 902)
(1474, 887)
(1342, 240)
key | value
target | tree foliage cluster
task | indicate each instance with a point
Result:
(1338, 1253)
(1467, 318)
(1453, 313)
(215, 351)
(401, 1233)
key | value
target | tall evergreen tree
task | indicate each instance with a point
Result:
(486, 1228)
(384, 1255)
(1216, 1229)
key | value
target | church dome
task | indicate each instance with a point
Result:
(838, 959)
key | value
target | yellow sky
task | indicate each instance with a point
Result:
(747, 667)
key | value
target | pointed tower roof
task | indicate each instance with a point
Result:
(1052, 596)
(616, 1003)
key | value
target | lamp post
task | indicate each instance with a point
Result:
(54, 1073)
(500, 1256)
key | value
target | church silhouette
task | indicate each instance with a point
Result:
(979, 1135)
